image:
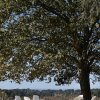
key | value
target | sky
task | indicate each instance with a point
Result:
(42, 85)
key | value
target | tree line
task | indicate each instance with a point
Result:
(43, 93)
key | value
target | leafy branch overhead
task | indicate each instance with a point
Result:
(49, 38)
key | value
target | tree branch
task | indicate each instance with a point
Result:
(73, 58)
(53, 10)
(95, 69)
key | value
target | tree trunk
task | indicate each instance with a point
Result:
(85, 84)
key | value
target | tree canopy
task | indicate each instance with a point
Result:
(49, 38)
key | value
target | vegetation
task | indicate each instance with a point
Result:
(46, 94)
(50, 38)
(4, 96)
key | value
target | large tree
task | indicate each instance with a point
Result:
(50, 38)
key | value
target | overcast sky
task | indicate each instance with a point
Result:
(41, 85)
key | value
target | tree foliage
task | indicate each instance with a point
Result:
(49, 38)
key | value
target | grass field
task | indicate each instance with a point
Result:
(70, 97)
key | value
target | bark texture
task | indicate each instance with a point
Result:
(85, 84)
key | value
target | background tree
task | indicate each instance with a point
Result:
(50, 38)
